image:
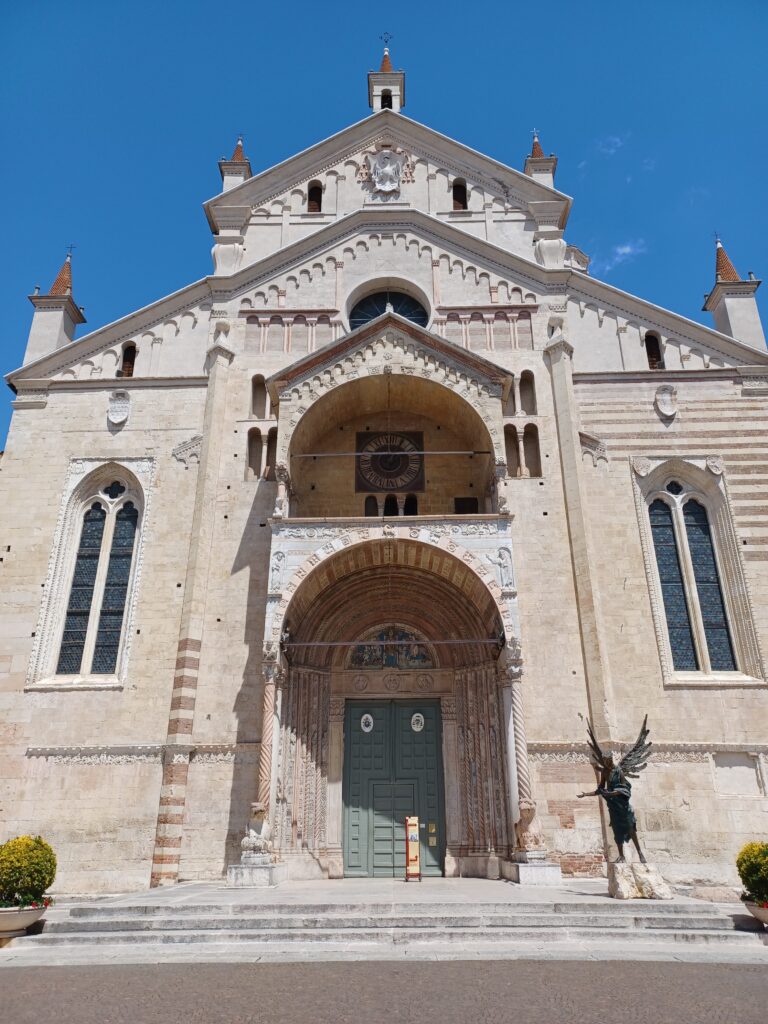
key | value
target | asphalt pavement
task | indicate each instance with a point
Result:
(458, 992)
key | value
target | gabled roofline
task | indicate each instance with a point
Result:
(576, 282)
(329, 353)
(274, 179)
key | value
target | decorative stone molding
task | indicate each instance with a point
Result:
(700, 473)
(696, 753)
(147, 753)
(594, 447)
(754, 380)
(188, 452)
(30, 398)
(83, 476)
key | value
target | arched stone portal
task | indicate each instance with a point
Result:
(462, 665)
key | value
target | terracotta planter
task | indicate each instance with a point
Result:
(16, 920)
(761, 913)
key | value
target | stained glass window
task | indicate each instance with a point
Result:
(713, 615)
(81, 594)
(115, 590)
(672, 588)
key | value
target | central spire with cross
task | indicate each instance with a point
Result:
(386, 87)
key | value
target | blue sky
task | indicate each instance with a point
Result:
(113, 116)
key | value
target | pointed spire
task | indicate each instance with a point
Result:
(238, 157)
(63, 283)
(536, 150)
(724, 269)
(386, 63)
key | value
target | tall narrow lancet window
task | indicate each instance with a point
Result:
(653, 352)
(512, 450)
(128, 361)
(411, 506)
(269, 469)
(101, 581)
(258, 397)
(672, 587)
(253, 469)
(371, 506)
(528, 393)
(314, 197)
(459, 192)
(531, 449)
(390, 505)
(710, 596)
(386, 99)
(81, 594)
(694, 605)
(115, 590)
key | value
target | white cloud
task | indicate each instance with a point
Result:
(611, 144)
(649, 164)
(619, 254)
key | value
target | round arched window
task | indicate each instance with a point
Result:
(374, 305)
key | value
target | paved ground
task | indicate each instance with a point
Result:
(455, 993)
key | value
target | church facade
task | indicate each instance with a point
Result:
(368, 523)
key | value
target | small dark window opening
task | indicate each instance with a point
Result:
(411, 506)
(315, 197)
(129, 361)
(390, 505)
(465, 506)
(371, 506)
(386, 99)
(459, 194)
(653, 352)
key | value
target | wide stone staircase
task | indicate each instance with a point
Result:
(240, 925)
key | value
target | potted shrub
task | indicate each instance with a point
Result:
(752, 865)
(27, 869)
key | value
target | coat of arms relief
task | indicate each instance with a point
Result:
(384, 171)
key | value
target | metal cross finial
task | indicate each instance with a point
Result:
(386, 37)
(70, 247)
(535, 132)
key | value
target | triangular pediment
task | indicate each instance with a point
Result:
(342, 152)
(390, 344)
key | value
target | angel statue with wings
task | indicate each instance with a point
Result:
(614, 786)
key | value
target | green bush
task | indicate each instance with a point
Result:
(27, 868)
(752, 865)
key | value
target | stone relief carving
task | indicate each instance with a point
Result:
(641, 465)
(118, 408)
(505, 572)
(665, 401)
(424, 683)
(387, 169)
(716, 464)
(392, 683)
(360, 684)
(276, 572)
(188, 452)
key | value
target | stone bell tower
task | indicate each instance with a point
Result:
(386, 87)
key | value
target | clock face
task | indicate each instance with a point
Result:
(390, 462)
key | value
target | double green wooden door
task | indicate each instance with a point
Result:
(392, 769)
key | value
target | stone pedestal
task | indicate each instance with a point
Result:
(256, 873)
(637, 882)
(528, 868)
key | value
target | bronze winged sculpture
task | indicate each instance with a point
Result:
(614, 786)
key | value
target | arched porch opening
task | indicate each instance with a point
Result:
(406, 633)
(439, 448)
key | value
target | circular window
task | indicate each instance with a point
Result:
(374, 305)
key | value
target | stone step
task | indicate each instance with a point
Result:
(341, 923)
(457, 938)
(629, 908)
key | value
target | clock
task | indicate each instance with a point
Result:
(388, 461)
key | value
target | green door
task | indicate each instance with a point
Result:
(392, 768)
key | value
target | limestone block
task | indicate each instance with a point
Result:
(637, 882)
